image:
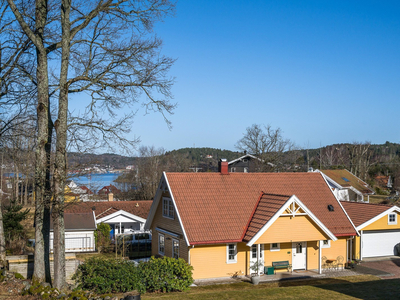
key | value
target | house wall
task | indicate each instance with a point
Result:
(210, 261)
(169, 225)
(357, 248)
(312, 255)
(337, 248)
(77, 241)
(297, 229)
(285, 253)
(382, 224)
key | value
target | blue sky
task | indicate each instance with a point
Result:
(325, 72)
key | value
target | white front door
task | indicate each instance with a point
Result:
(299, 256)
(253, 257)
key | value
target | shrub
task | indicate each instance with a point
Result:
(108, 275)
(166, 274)
(102, 236)
(115, 275)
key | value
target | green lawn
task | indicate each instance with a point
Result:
(351, 287)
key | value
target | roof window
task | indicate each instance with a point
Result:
(331, 208)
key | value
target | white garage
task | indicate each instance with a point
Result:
(378, 226)
(379, 243)
(79, 232)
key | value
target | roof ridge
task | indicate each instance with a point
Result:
(252, 214)
(368, 203)
(279, 195)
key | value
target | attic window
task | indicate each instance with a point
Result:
(331, 208)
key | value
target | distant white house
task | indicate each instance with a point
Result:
(79, 232)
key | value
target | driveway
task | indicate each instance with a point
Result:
(385, 268)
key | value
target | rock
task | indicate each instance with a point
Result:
(45, 284)
(107, 298)
(62, 295)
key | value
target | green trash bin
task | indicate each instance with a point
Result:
(269, 270)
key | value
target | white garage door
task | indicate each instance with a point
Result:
(379, 243)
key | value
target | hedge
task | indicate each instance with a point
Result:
(115, 275)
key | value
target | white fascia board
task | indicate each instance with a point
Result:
(242, 157)
(154, 205)
(119, 213)
(280, 212)
(328, 179)
(338, 201)
(176, 209)
(381, 215)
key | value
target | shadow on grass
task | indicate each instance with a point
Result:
(377, 289)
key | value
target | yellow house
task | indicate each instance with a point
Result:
(222, 223)
(379, 229)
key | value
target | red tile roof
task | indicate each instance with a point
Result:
(347, 179)
(360, 212)
(215, 207)
(137, 208)
(266, 208)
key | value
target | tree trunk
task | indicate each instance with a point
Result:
(60, 167)
(2, 240)
(42, 171)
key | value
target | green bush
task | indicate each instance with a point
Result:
(116, 275)
(108, 276)
(102, 236)
(166, 274)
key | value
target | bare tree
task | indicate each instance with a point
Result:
(102, 48)
(265, 143)
(360, 155)
(149, 169)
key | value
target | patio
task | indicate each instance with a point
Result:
(280, 276)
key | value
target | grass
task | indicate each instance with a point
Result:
(350, 287)
(376, 198)
(85, 256)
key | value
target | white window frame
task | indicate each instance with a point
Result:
(168, 208)
(161, 251)
(246, 170)
(277, 248)
(395, 219)
(326, 244)
(234, 260)
(175, 254)
(233, 170)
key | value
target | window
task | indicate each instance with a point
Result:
(326, 244)
(246, 170)
(175, 249)
(231, 253)
(161, 244)
(275, 247)
(254, 251)
(233, 170)
(168, 208)
(392, 219)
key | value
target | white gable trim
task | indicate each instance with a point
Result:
(327, 178)
(118, 213)
(242, 157)
(291, 200)
(381, 215)
(156, 202)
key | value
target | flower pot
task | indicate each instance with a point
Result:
(255, 279)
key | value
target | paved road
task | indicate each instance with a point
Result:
(386, 269)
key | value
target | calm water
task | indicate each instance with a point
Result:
(96, 181)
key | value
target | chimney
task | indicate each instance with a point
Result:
(223, 166)
(110, 197)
